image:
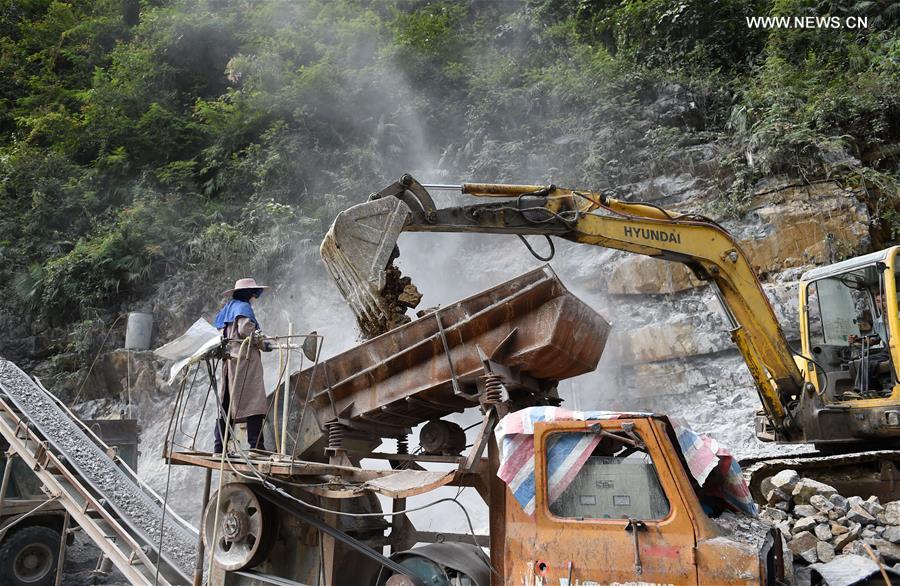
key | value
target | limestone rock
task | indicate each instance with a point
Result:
(776, 495)
(850, 536)
(785, 528)
(892, 513)
(838, 529)
(807, 487)
(822, 504)
(824, 551)
(786, 480)
(840, 503)
(855, 548)
(773, 514)
(891, 533)
(804, 524)
(823, 532)
(889, 551)
(804, 511)
(766, 486)
(857, 514)
(872, 506)
(804, 545)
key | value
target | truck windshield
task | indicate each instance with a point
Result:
(607, 480)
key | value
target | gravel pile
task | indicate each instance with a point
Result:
(820, 524)
(743, 528)
(121, 492)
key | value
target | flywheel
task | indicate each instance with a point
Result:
(244, 528)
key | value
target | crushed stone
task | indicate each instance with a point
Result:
(119, 491)
(750, 530)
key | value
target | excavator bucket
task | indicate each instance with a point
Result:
(357, 250)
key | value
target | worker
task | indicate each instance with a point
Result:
(243, 393)
(874, 351)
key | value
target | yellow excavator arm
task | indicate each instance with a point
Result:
(361, 244)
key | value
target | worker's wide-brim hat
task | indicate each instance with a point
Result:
(241, 284)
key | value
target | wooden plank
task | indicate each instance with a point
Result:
(407, 483)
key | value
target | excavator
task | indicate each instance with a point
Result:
(840, 391)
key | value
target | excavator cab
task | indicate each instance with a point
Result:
(850, 330)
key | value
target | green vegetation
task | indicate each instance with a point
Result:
(140, 138)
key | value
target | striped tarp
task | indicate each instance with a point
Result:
(714, 469)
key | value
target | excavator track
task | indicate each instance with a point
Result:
(86, 480)
(875, 472)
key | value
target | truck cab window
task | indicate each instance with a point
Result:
(595, 476)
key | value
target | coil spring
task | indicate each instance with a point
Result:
(335, 435)
(493, 388)
(403, 445)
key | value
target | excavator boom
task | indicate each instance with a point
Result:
(360, 247)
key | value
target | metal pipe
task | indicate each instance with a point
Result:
(198, 564)
(444, 186)
(7, 470)
(61, 558)
(287, 389)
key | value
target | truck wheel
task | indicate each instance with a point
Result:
(28, 557)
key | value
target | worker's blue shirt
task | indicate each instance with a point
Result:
(233, 310)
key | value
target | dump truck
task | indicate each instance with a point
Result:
(572, 497)
(840, 391)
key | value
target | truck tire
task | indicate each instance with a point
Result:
(29, 556)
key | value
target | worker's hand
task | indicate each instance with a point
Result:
(268, 345)
(853, 339)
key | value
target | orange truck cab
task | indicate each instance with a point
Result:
(631, 514)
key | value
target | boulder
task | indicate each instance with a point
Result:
(857, 514)
(804, 511)
(838, 529)
(785, 528)
(887, 550)
(786, 480)
(821, 503)
(804, 545)
(804, 524)
(823, 532)
(872, 506)
(807, 487)
(840, 503)
(891, 533)
(824, 551)
(852, 534)
(773, 514)
(766, 486)
(892, 513)
(776, 495)
(855, 548)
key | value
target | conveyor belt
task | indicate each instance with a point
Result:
(91, 486)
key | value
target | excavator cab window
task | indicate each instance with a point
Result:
(617, 479)
(848, 334)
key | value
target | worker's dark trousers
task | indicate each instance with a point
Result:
(254, 429)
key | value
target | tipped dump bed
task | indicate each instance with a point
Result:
(533, 330)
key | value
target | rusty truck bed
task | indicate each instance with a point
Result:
(530, 329)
